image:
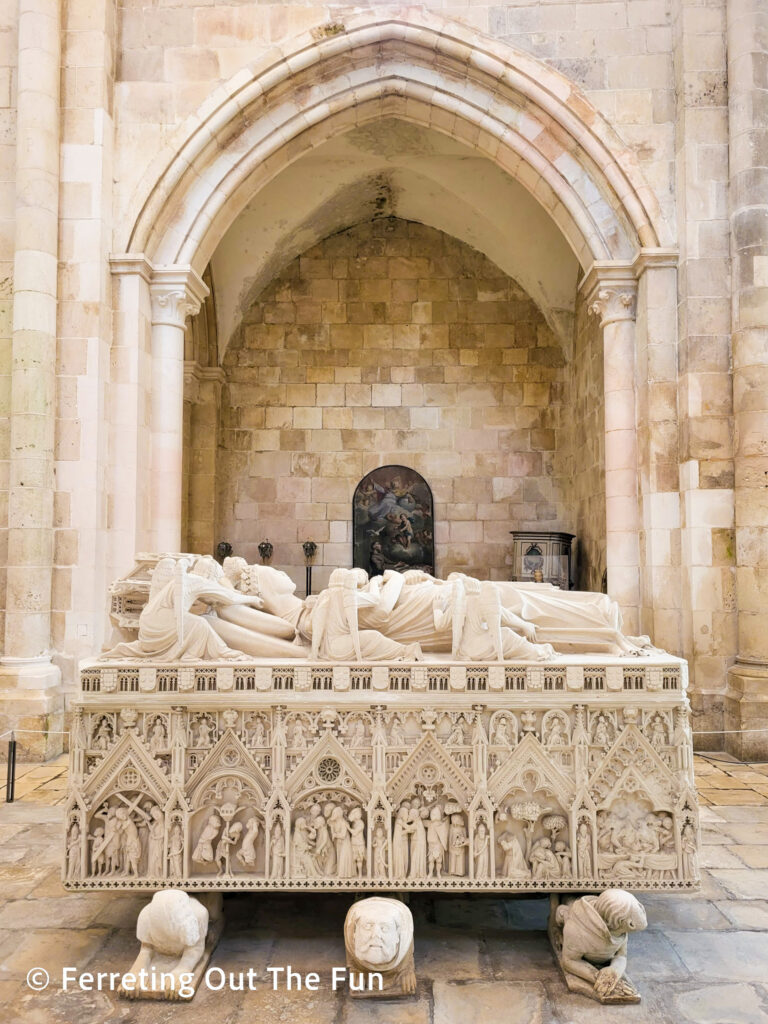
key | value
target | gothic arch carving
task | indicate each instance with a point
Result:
(228, 757)
(328, 766)
(429, 751)
(505, 104)
(128, 755)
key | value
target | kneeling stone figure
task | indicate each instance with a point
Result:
(378, 935)
(175, 946)
(589, 937)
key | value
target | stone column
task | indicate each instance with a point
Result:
(614, 302)
(26, 664)
(202, 401)
(746, 705)
(177, 292)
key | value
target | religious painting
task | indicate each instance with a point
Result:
(393, 522)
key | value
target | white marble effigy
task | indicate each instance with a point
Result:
(573, 774)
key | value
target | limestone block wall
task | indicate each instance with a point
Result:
(392, 342)
(171, 56)
(8, 60)
(705, 391)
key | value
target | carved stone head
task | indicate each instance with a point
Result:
(621, 911)
(379, 932)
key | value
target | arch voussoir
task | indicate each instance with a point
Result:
(517, 112)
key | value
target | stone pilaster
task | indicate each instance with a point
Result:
(614, 301)
(746, 704)
(29, 682)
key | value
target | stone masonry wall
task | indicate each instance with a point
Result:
(8, 58)
(392, 343)
(174, 52)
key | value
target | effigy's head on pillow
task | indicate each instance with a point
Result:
(262, 580)
(350, 579)
(379, 932)
(208, 567)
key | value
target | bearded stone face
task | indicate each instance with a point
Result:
(376, 937)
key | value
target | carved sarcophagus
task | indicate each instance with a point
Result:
(567, 775)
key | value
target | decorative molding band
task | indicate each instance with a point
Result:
(621, 675)
(177, 291)
(194, 372)
(617, 273)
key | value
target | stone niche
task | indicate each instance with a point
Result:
(392, 342)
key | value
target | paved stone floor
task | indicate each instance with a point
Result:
(704, 957)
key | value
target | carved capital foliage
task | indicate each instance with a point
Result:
(614, 303)
(172, 305)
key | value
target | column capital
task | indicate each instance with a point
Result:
(177, 292)
(613, 301)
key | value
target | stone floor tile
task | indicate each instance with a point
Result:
(739, 797)
(752, 856)
(720, 856)
(481, 1002)
(443, 955)
(56, 1007)
(9, 831)
(748, 775)
(723, 781)
(309, 953)
(665, 911)
(746, 913)
(374, 1011)
(652, 958)
(12, 854)
(74, 910)
(744, 815)
(710, 889)
(743, 885)
(656, 1007)
(53, 949)
(726, 956)
(518, 956)
(19, 880)
(281, 1007)
(722, 1004)
(750, 835)
(21, 812)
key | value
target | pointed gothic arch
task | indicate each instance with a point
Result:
(516, 110)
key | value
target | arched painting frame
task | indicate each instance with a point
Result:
(393, 524)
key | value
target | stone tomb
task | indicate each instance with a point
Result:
(527, 777)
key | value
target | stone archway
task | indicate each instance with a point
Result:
(515, 111)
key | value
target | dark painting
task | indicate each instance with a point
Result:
(393, 522)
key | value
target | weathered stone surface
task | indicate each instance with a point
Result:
(714, 1004)
(730, 956)
(475, 1002)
